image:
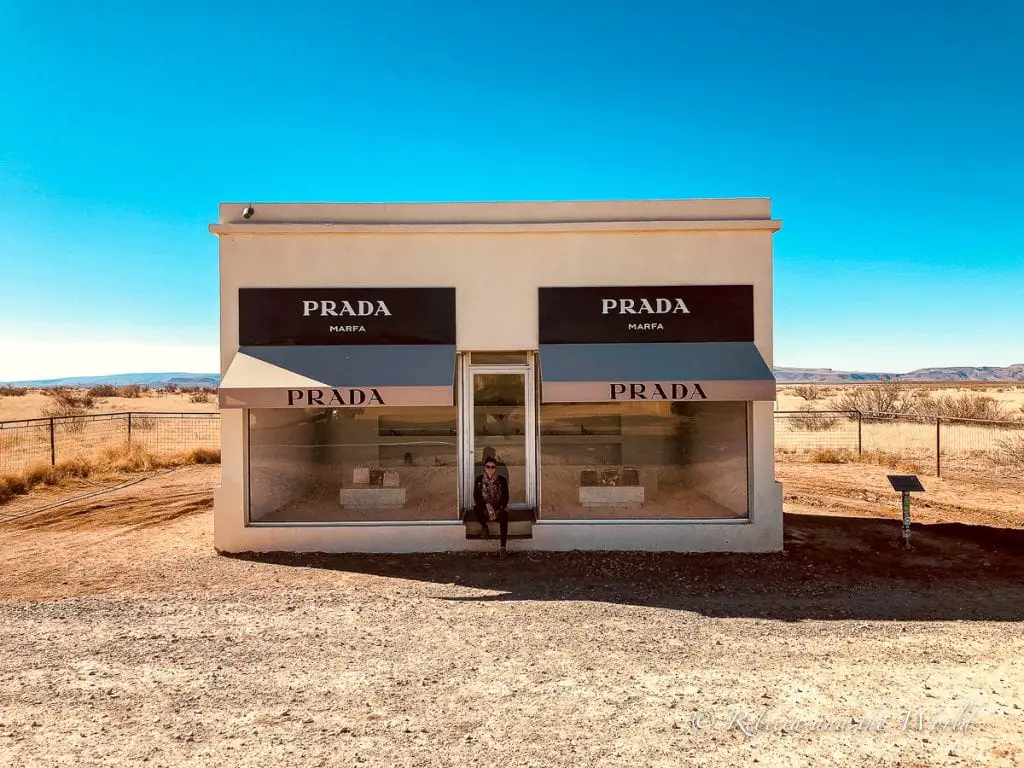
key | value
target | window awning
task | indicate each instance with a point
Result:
(339, 376)
(598, 373)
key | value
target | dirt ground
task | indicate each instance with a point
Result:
(126, 640)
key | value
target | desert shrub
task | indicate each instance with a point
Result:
(831, 456)
(1009, 452)
(169, 389)
(130, 390)
(7, 390)
(199, 396)
(143, 422)
(885, 397)
(199, 456)
(808, 391)
(62, 398)
(103, 390)
(969, 406)
(889, 460)
(10, 486)
(812, 422)
(69, 407)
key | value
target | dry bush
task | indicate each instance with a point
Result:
(62, 398)
(808, 391)
(1010, 452)
(969, 406)
(832, 456)
(199, 456)
(103, 390)
(169, 389)
(885, 397)
(143, 422)
(889, 460)
(12, 484)
(812, 423)
(201, 396)
(130, 390)
(68, 407)
(8, 390)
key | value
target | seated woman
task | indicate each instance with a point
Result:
(490, 501)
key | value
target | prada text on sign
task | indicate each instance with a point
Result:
(654, 391)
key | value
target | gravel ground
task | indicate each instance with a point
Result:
(126, 640)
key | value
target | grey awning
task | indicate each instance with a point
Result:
(588, 373)
(339, 376)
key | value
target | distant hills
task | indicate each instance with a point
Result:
(123, 379)
(1013, 372)
(783, 376)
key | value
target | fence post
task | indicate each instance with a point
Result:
(129, 428)
(860, 442)
(938, 446)
(53, 445)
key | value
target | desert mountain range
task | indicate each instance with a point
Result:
(783, 375)
(1013, 372)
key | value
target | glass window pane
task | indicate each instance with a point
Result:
(348, 464)
(499, 428)
(643, 460)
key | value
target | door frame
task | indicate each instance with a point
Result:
(467, 370)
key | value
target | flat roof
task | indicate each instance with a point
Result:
(710, 213)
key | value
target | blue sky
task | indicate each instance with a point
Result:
(888, 136)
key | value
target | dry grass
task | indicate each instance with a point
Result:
(121, 459)
(10, 391)
(832, 456)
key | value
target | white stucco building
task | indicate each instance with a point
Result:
(614, 358)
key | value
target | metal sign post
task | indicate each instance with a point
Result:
(906, 519)
(906, 484)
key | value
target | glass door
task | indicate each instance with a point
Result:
(500, 423)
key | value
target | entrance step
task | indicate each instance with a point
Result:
(520, 525)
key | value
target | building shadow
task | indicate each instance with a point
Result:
(832, 568)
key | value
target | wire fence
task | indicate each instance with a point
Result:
(990, 452)
(29, 442)
(982, 451)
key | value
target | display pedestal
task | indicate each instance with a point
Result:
(611, 496)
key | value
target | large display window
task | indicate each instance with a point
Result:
(321, 465)
(633, 460)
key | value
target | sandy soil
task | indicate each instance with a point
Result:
(126, 640)
(32, 404)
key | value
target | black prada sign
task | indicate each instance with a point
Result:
(665, 313)
(348, 316)
(656, 390)
(335, 397)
